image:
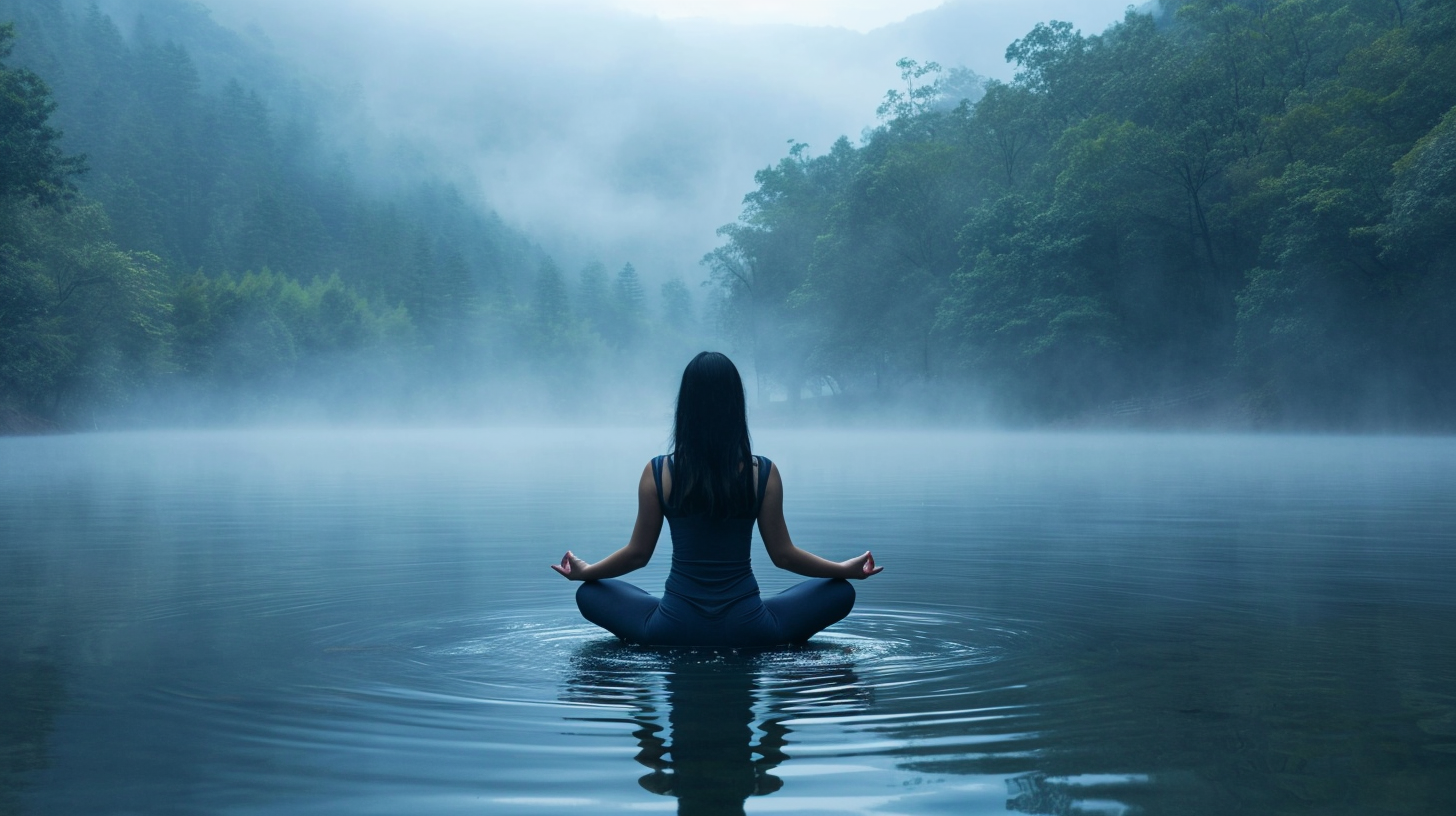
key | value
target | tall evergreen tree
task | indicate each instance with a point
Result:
(32, 164)
(677, 304)
(631, 296)
(594, 300)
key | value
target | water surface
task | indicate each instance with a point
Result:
(359, 622)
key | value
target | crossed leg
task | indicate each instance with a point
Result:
(798, 612)
(810, 606)
(618, 607)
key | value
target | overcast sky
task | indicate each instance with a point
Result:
(856, 15)
(628, 130)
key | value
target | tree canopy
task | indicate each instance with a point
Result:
(1241, 203)
(32, 165)
(219, 259)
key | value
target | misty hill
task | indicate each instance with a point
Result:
(223, 256)
(1234, 212)
(1225, 212)
(209, 174)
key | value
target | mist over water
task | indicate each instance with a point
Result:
(364, 622)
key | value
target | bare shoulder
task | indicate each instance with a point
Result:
(773, 486)
(771, 510)
(653, 472)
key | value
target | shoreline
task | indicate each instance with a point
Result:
(18, 423)
(21, 427)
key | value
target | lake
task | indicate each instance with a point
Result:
(364, 622)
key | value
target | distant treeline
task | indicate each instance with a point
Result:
(170, 248)
(1252, 202)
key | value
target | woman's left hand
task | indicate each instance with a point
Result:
(571, 568)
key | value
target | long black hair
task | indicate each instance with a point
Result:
(712, 457)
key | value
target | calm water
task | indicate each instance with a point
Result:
(364, 623)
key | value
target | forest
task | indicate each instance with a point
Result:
(1221, 212)
(1215, 212)
(175, 247)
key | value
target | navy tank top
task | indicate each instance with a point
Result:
(710, 558)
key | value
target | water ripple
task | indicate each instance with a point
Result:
(887, 691)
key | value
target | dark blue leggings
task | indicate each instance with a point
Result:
(791, 616)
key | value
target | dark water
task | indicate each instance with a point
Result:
(364, 623)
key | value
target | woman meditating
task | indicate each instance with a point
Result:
(711, 489)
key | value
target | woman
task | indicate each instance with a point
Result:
(711, 490)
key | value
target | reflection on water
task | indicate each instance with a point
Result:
(890, 700)
(360, 624)
(32, 688)
(31, 692)
(712, 726)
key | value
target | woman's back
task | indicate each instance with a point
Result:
(711, 558)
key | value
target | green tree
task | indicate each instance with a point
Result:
(767, 256)
(678, 311)
(594, 301)
(1236, 197)
(32, 164)
(84, 322)
(631, 297)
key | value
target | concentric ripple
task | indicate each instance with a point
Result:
(912, 698)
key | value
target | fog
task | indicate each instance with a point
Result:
(391, 300)
(610, 134)
(445, 209)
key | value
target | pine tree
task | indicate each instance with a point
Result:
(551, 305)
(593, 300)
(631, 298)
(32, 165)
(677, 304)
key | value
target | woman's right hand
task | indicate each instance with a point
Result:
(571, 568)
(861, 567)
